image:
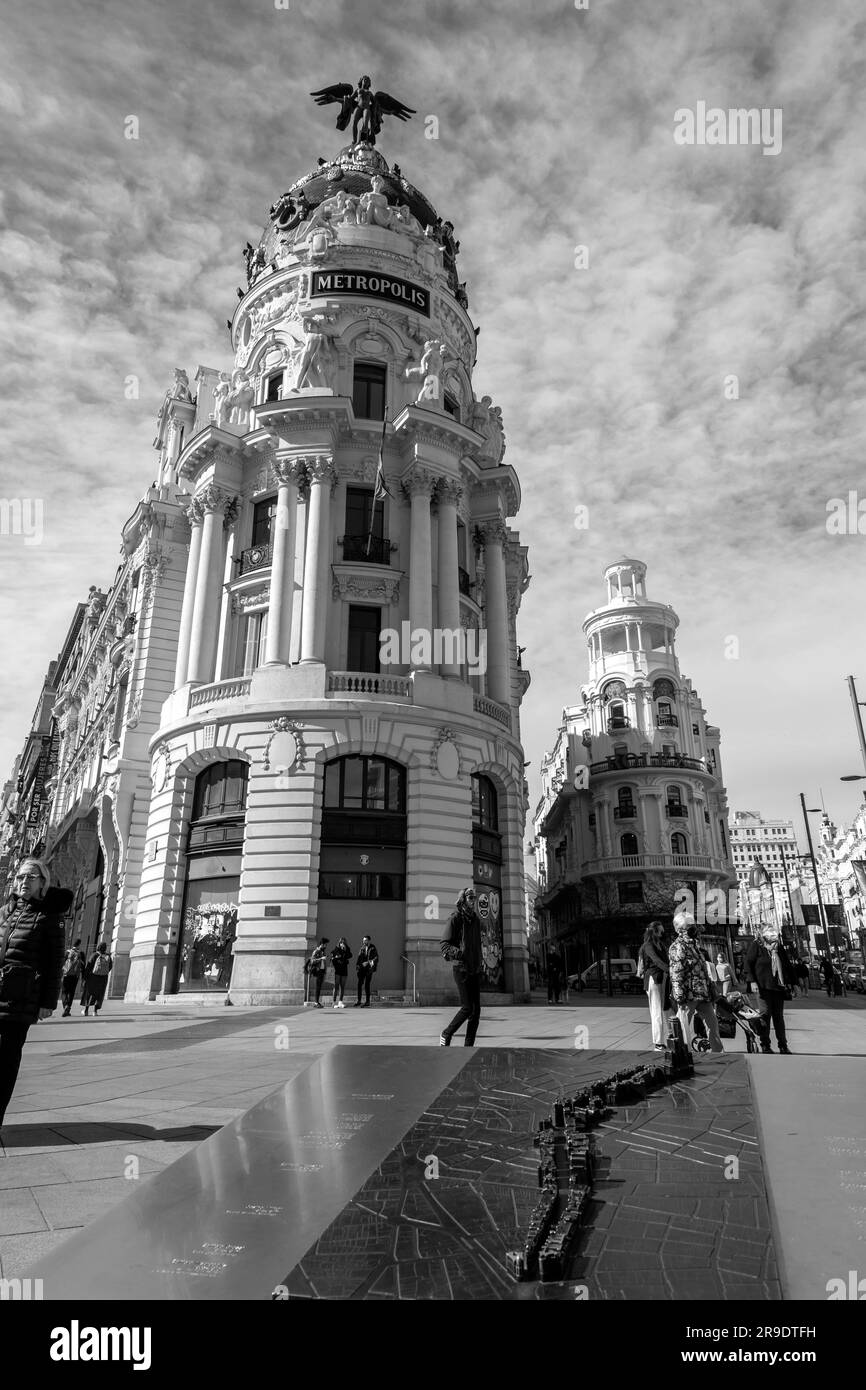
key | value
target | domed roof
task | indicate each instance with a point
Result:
(625, 563)
(352, 171)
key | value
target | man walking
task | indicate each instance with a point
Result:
(73, 969)
(462, 947)
(368, 959)
(554, 975)
(690, 983)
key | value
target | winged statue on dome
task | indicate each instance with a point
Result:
(369, 108)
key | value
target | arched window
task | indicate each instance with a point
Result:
(218, 806)
(679, 844)
(628, 844)
(625, 808)
(485, 803)
(675, 801)
(274, 386)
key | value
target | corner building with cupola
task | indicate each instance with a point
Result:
(341, 482)
(633, 806)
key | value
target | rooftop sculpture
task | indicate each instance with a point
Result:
(369, 108)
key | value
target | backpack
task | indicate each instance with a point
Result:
(102, 965)
(72, 963)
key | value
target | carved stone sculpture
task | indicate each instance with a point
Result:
(487, 421)
(180, 390)
(430, 368)
(374, 210)
(318, 360)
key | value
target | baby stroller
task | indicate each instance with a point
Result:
(735, 1011)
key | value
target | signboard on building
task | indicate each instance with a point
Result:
(356, 282)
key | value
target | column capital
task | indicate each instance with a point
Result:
(449, 491)
(418, 482)
(287, 471)
(493, 532)
(213, 499)
(319, 468)
(193, 511)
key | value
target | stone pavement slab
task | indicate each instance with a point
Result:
(812, 1122)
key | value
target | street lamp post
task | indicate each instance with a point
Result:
(858, 719)
(822, 918)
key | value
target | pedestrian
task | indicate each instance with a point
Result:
(827, 972)
(96, 979)
(802, 972)
(340, 957)
(462, 947)
(31, 963)
(73, 970)
(725, 973)
(554, 974)
(768, 965)
(366, 964)
(653, 967)
(690, 984)
(318, 963)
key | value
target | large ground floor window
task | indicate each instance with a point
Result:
(208, 930)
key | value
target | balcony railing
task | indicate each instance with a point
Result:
(491, 709)
(675, 808)
(220, 690)
(614, 725)
(255, 558)
(625, 812)
(368, 683)
(647, 861)
(667, 721)
(621, 762)
(379, 553)
(464, 582)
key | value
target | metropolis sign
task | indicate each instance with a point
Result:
(355, 282)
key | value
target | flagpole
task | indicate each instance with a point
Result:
(380, 476)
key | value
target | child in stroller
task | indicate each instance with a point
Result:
(735, 1010)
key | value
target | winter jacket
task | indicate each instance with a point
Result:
(31, 947)
(340, 957)
(689, 979)
(462, 945)
(655, 964)
(73, 963)
(368, 959)
(318, 960)
(758, 966)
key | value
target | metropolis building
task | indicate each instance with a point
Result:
(340, 752)
(633, 805)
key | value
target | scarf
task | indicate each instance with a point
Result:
(776, 961)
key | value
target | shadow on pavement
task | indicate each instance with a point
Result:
(26, 1136)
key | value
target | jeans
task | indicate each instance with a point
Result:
(339, 985)
(365, 979)
(469, 987)
(554, 988)
(772, 1008)
(67, 991)
(319, 977)
(656, 998)
(686, 1013)
(12, 1038)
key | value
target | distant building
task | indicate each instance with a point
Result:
(769, 842)
(633, 806)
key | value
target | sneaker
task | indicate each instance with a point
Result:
(443, 1041)
(785, 1052)
(659, 1047)
(319, 1005)
(357, 1006)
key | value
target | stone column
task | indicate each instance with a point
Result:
(279, 635)
(448, 496)
(194, 515)
(317, 590)
(496, 612)
(202, 646)
(418, 487)
(225, 616)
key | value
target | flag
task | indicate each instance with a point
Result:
(380, 492)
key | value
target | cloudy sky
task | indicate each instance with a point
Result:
(706, 262)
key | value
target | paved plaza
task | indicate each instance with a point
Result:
(106, 1103)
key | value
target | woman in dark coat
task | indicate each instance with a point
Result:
(96, 978)
(340, 957)
(31, 960)
(462, 947)
(768, 965)
(654, 966)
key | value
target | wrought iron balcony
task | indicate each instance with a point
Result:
(625, 813)
(675, 808)
(356, 548)
(620, 762)
(255, 558)
(614, 725)
(667, 721)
